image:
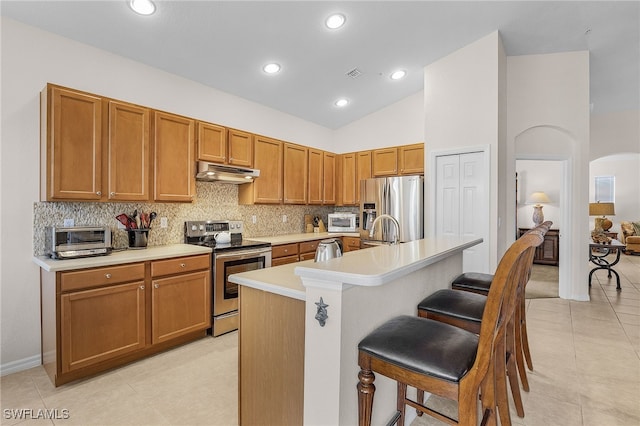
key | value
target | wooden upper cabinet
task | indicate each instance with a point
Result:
(212, 142)
(128, 152)
(329, 178)
(363, 170)
(71, 138)
(316, 177)
(174, 153)
(411, 159)
(295, 174)
(266, 189)
(385, 162)
(240, 148)
(349, 191)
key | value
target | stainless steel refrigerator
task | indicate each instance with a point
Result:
(401, 197)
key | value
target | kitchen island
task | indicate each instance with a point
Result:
(309, 362)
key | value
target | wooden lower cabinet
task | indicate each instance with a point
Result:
(350, 244)
(180, 304)
(98, 318)
(100, 324)
(548, 252)
(271, 359)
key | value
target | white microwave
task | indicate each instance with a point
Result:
(342, 222)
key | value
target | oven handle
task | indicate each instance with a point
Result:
(244, 254)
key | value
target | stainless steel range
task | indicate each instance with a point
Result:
(231, 255)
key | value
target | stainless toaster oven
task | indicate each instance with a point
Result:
(77, 241)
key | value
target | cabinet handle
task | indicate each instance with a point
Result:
(156, 285)
(182, 265)
(98, 192)
(107, 275)
(141, 287)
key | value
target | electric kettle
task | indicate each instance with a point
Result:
(328, 249)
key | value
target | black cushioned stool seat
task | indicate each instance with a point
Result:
(424, 346)
(473, 281)
(464, 305)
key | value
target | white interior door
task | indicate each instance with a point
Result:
(462, 204)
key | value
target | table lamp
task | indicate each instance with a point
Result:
(537, 198)
(602, 224)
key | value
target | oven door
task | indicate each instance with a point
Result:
(225, 293)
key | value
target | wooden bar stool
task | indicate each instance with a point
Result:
(443, 359)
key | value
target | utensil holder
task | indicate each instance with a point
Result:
(138, 238)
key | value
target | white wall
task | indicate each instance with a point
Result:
(613, 133)
(534, 176)
(401, 123)
(30, 59)
(626, 170)
(462, 94)
(548, 104)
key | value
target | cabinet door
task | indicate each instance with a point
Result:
(73, 145)
(385, 162)
(349, 190)
(350, 243)
(174, 167)
(411, 159)
(363, 170)
(295, 174)
(101, 324)
(315, 176)
(266, 189)
(128, 147)
(180, 305)
(212, 142)
(329, 178)
(240, 148)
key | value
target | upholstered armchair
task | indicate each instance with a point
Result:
(631, 236)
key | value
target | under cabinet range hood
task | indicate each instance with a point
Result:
(212, 172)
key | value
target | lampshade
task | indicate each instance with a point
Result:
(601, 209)
(538, 197)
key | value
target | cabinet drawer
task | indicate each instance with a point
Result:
(351, 243)
(179, 265)
(307, 256)
(284, 250)
(87, 278)
(309, 246)
(284, 260)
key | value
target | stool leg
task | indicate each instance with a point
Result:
(420, 400)
(402, 395)
(366, 390)
(523, 331)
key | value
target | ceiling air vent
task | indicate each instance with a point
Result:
(354, 73)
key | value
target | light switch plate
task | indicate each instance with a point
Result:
(164, 222)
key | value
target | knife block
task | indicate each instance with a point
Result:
(138, 238)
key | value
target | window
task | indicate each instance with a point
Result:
(605, 189)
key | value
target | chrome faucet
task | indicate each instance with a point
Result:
(392, 219)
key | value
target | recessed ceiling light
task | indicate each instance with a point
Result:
(342, 102)
(143, 7)
(397, 75)
(271, 68)
(335, 21)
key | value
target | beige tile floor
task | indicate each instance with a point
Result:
(586, 357)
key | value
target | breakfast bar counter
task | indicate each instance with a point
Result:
(300, 325)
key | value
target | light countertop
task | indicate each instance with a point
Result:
(369, 267)
(297, 238)
(119, 257)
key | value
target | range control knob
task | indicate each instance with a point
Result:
(202, 227)
(194, 227)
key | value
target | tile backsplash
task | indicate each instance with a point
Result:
(213, 201)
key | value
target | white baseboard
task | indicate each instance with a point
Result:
(20, 365)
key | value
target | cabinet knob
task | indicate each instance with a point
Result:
(107, 275)
(141, 287)
(112, 194)
(156, 285)
(98, 192)
(182, 265)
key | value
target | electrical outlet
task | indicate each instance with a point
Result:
(284, 218)
(254, 219)
(164, 222)
(69, 222)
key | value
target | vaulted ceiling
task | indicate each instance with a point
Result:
(224, 44)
